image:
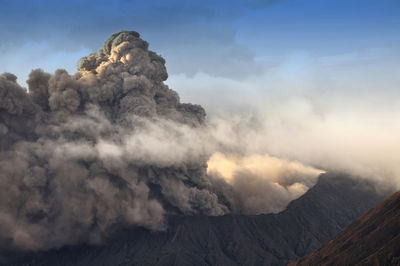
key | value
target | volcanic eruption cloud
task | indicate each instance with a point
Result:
(84, 154)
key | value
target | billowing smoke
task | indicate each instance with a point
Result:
(251, 176)
(110, 146)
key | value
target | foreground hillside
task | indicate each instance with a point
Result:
(273, 239)
(373, 239)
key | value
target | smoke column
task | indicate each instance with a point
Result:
(112, 145)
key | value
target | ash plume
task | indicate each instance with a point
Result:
(82, 154)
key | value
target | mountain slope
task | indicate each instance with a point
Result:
(273, 239)
(373, 239)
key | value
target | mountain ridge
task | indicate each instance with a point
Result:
(372, 239)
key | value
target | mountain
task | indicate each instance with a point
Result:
(270, 239)
(372, 239)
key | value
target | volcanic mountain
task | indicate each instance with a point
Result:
(108, 167)
(271, 239)
(372, 239)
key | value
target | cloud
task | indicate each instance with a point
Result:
(336, 113)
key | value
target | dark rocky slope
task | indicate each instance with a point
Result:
(373, 239)
(273, 239)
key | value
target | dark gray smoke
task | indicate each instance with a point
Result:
(111, 145)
